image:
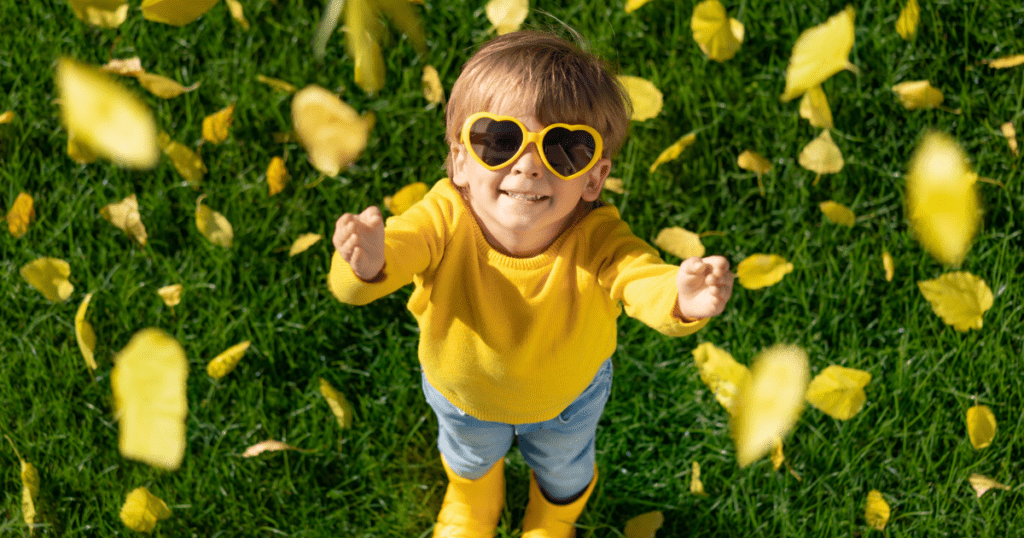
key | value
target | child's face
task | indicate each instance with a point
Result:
(523, 207)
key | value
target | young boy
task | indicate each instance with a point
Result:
(520, 273)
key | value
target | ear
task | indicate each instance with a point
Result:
(595, 179)
(458, 157)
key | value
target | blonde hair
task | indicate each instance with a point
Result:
(559, 80)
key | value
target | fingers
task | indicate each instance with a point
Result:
(371, 217)
(695, 266)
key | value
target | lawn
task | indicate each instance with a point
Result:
(383, 477)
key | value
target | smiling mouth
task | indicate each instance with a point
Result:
(525, 197)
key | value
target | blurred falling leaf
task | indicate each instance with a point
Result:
(762, 270)
(102, 13)
(142, 510)
(214, 226)
(778, 458)
(643, 95)
(367, 58)
(770, 402)
(237, 13)
(838, 213)
(106, 117)
(277, 175)
(876, 513)
(171, 295)
(341, 407)
(303, 243)
(127, 67)
(720, 373)
(981, 426)
(696, 485)
(982, 483)
(1011, 136)
(175, 12)
(330, 130)
(78, 151)
(223, 364)
(148, 381)
(7, 117)
(942, 201)
(50, 277)
(633, 5)
(889, 265)
(838, 391)
(324, 30)
(406, 197)
(918, 94)
(507, 15)
(821, 156)
(432, 89)
(188, 163)
(270, 445)
(277, 84)
(814, 108)
(645, 525)
(614, 184)
(718, 36)
(819, 53)
(363, 30)
(680, 243)
(1006, 61)
(906, 24)
(84, 333)
(217, 126)
(29, 489)
(162, 86)
(674, 151)
(125, 216)
(959, 298)
(22, 213)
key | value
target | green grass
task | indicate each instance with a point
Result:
(383, 477)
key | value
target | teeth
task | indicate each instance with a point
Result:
(527, 197)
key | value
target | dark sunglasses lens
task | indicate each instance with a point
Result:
(495, 142)
(568, 151)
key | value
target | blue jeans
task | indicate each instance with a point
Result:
(560, 450)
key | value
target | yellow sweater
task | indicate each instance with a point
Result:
(515, 340)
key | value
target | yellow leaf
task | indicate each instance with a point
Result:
(1011, 136)
(162, 86)
(753, 162)
(50, 277)
(330, 130)
(838, 213)
(982, 483)
(22, 213)
(507, 15)
(303, 243)
(643, 95)
(142, 510)
(918, 94)
(148, 380)
(406, 197)
(270, 445)
(889, 265)
(432, 89)
(819, 53)
(214, 226)
(277, 84)
(80, 152)
(716, 34)
(106, 117)
(217, 126)
(814, 108)
(674, 151)
(102, 13)
(822, 156)
(906, 24)
(175, 12)
(644, 525)
(401, 13)
(770, 402)
(277, 175)
(876, 514)
(125, 216)
(762, 270)
(981, 426)
(171, 295)
(127, 67)
(681, 243)
(237, 13)
(341, 408)
(188, 163)
(29, 489)
(223, 364)
(614, 184)
(633, 5)
(696, 485)
(84, 333)
(7, 117)
(1006, 61)
(362, 29)
(838, 391)
(778, 458)
(720, 373)
(959, 298)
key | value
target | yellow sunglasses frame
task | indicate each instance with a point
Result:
(535, 138)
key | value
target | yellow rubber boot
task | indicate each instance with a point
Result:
(546, 520)
(471, 508)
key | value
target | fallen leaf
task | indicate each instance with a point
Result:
(633, 5)
(142, 510)
(877, 512)
(214, 226)
(127, 67)
(125, 216)
(102, 13)
(341, 407)
(223, 364)
(674, 151)
(778, 458)
(838, 391)
(406, 197)
(720, 373)
(680, 243)
(277, 84)
(432, 89)
(175, 12)
(838, 213)
(1011, 136)
(50, 277)
(7, 117)
(331, 131)
(237, 13)
(507, 15)
(959, 298)
(982, 483)
(188, 163)
(1006, 61)
(277, 175)
(22, 213)
(29, 489)
(753, 162)
(645, 97)
(814, 108)
(217, 126)
(106, 117)
(171, 295)
(918, 94)
(162, 86)
(614, 184)
(981, 426)
(270, 445)
(303, 243)
(84, 334)
(644, 525)
(718, 36)
(762, 270)
(822, 156)
(906, 24)
(148, 381)
(696, 486)
(819, 53)
(889, 265)
(770, 402)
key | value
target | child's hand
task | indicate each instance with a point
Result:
(704, 285)
(360, 241)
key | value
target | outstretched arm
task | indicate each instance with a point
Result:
(359, 239)
(704, 286)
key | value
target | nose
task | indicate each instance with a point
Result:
(529, 163)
